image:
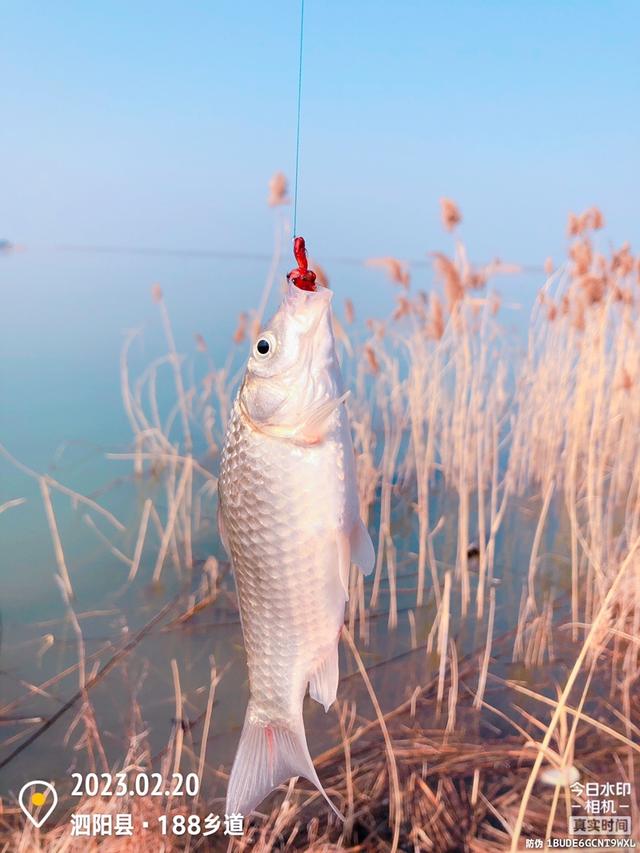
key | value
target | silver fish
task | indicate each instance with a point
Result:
(289, 520)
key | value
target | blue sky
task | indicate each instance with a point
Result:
(160, 123)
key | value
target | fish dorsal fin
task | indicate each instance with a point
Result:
(362, 551)
(356, 547)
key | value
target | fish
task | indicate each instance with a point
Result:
(289, 520)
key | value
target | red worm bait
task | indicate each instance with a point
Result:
(302, 276)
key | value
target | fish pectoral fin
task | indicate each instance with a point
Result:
(362, 551)
(267, 756)
(323, 684)
(314, 428)
(222, 531)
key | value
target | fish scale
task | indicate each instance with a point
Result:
(274, 553)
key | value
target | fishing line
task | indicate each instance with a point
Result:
(295, 190)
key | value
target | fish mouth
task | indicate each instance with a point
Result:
(303, 281)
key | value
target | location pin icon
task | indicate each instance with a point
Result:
(37, 800)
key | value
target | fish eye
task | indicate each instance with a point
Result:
(264, 346)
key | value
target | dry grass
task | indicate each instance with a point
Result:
(502, 494)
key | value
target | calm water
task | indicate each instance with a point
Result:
(62, 325)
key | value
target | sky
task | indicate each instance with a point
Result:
(159, 124)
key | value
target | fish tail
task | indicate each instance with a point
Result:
(268, 755)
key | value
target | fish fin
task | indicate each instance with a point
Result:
(323, 684)
(222, 531)
(344, 561)
(362, 551)
(314, 428)
(267, 756)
